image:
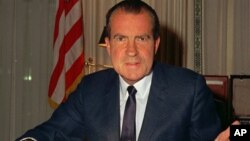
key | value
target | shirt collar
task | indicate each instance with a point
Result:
(141, 86)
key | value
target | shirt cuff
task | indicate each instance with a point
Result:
(28, 139)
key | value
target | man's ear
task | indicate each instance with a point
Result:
(157, 43)
(107, 42)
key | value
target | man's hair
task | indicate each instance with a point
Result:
(135, 7)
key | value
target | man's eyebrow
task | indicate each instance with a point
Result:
(144, 35)
(120, 35)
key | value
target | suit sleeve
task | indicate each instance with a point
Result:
(66, 123)
(205, 122)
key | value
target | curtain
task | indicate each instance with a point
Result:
(25, 64)
(176, 19)
(226, 32)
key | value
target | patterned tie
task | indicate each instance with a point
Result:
(128, 127)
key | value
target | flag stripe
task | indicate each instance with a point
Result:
(67, 42)
(72, 16)
(73, 72)
(57, 71)
(74, 33)
(59, 91)
(72, 3)
(68, 51)
(59, 13)
(58, 43)
(76, 50)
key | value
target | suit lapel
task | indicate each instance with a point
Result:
(155, 106)
(111, 102)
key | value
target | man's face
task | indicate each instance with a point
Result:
(131, 45)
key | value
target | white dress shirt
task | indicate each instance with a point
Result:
(142, 87)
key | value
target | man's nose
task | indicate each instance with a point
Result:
(132, 48)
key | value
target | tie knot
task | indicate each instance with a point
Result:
(131, 90)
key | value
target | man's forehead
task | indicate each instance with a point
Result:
(126, 12)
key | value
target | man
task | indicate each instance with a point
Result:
(168, 103)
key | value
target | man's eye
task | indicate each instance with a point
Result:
(143, 38)
(120, 38)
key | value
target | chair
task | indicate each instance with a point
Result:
(219, 85)
(239, 98)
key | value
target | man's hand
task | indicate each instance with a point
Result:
(224, 135)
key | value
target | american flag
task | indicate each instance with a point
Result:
(68, 68)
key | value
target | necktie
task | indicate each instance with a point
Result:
(128, 126)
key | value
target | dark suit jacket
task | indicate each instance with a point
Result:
(180, 108)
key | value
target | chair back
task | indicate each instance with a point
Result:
(219, 85)
(240, 97)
